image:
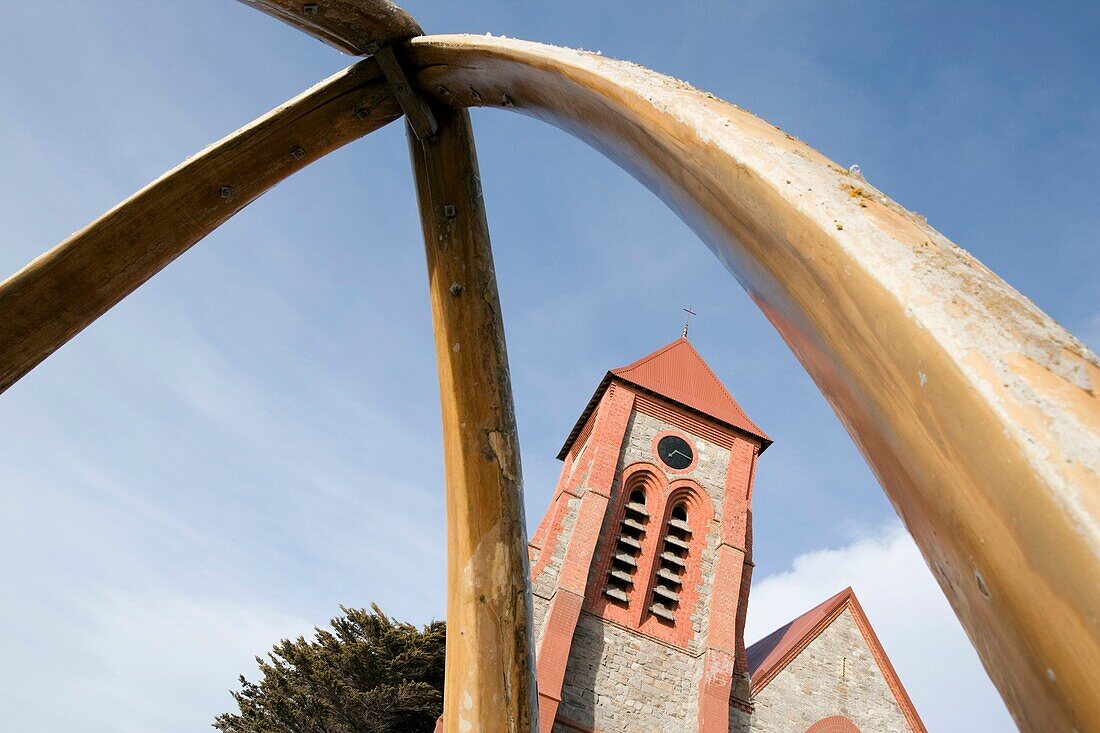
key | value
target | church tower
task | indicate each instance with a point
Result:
(641, 566)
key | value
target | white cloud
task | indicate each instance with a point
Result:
(166, 662)
(913, 620)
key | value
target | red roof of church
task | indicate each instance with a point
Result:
(677, 372)
(769, 656)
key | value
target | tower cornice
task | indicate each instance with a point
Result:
(676, 374)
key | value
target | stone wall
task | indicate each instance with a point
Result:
(619, 680)
(835, 675)
(740, 721)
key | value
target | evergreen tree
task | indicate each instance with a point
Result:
(370, 674)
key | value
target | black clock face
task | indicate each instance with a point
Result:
(675, 451)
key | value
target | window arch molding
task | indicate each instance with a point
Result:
(833, 724)
(644, 475)
(686, 491)
(648, 479)
(694, 499)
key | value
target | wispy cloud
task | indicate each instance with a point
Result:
(138, 647)
(911, 617)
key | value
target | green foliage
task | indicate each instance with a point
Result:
(370, 674)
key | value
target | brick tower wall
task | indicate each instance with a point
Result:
(617, 678)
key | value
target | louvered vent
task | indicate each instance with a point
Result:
(672, 561)
(624, 555)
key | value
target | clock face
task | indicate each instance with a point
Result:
(675, 451)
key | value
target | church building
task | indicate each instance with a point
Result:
(641, 570)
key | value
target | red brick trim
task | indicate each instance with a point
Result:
(722, 658)
(650, 479)
(657, 405)
(596, 470)
(549, 533)
(675, 415)
(833, 724)
(700, 513)
(738, 493)
(548, 711)
(714, 692)
(742, 667)
(654, 639)
(553, 654)
(581, 440)
(892, 680)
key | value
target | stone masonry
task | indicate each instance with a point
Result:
(835, 675)
(547, 580)
(622, 681)
(710, 473)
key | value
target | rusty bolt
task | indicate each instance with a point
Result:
(456, 289)
(362, 113)
(298, 153)
(309, 8)
(227, 192)
(450, 211)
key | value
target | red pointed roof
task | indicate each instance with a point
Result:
(769, 656)
(677, 372)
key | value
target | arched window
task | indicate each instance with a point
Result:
(624, 555)
(833, 724)
(671, 564)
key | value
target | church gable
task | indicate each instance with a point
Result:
(826, 671)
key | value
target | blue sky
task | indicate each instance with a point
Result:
(252, 439)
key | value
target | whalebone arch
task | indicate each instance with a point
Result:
(819, 251)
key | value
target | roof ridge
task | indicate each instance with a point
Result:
(827, 610)
(736, 404)
(650, 357)
(826, 613)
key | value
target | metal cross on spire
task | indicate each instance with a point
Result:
(687, 321)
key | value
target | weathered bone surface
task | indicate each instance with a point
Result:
(54, 297)
(978, 413)
(490, 682)
(358, 27)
